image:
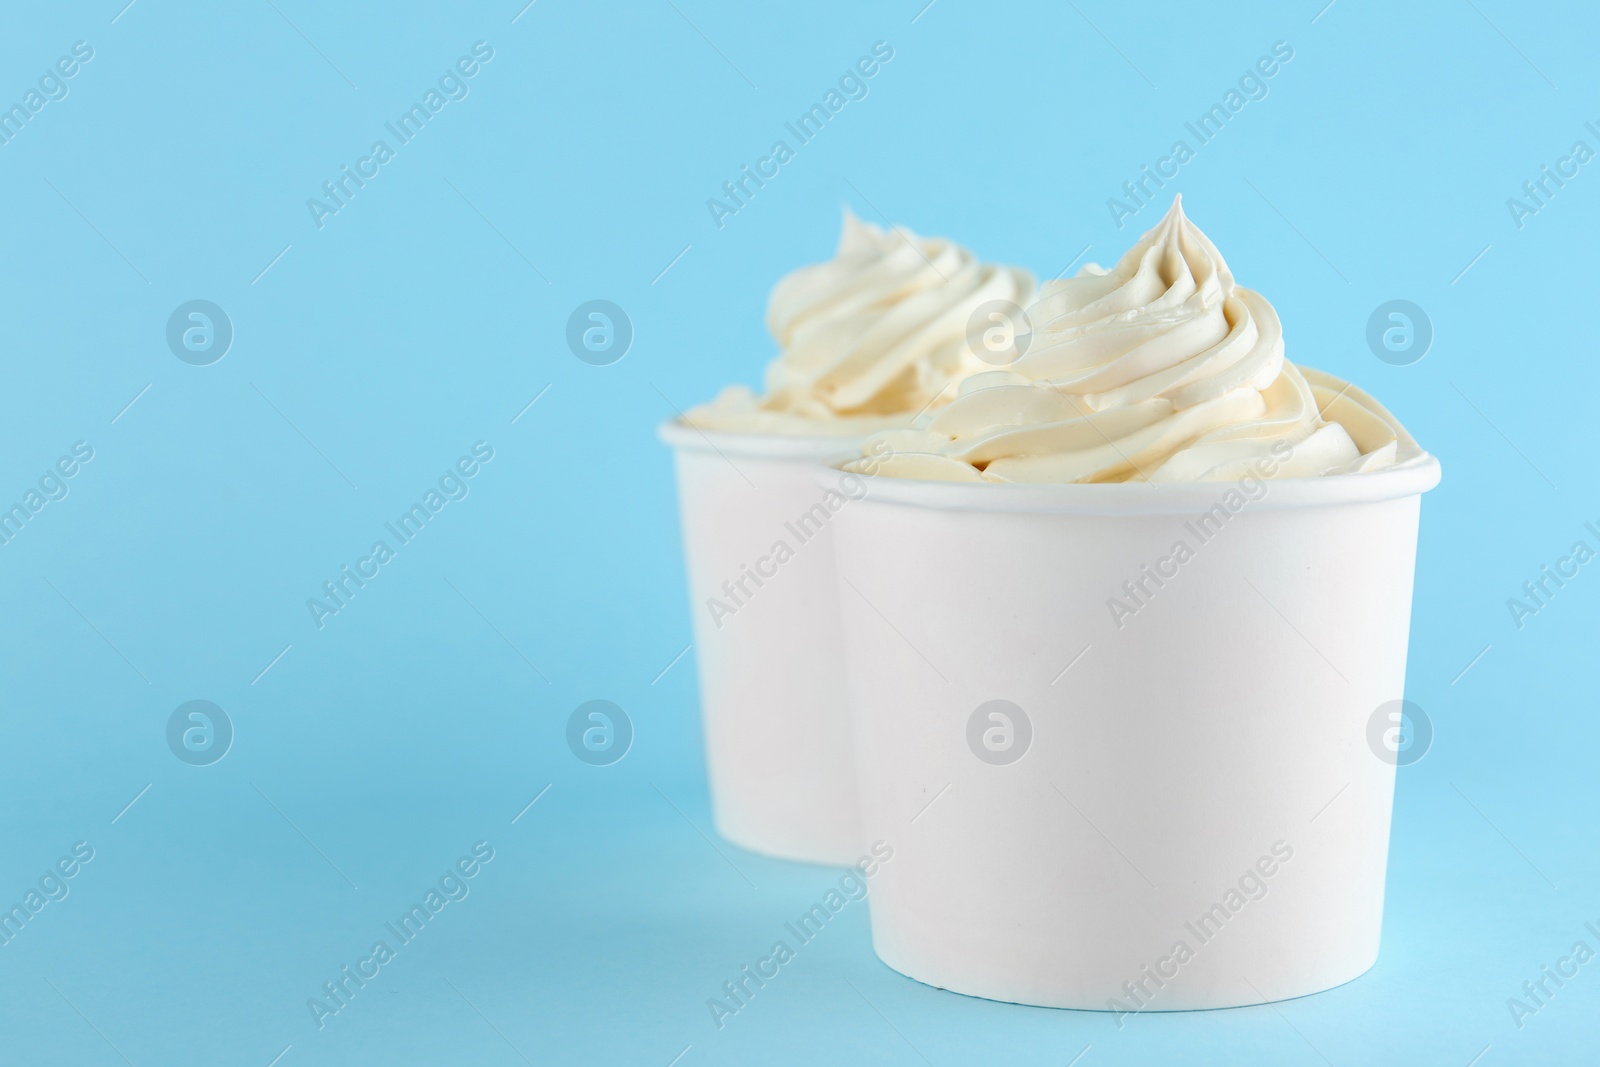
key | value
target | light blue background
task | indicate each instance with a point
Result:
(432, 309)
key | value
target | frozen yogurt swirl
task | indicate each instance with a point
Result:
(870, 339)
(1160, 370)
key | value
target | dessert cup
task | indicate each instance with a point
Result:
(1170, 804)
(766, 632)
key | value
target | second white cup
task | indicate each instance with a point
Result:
(758, 541)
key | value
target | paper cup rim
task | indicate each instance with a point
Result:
(818, 448)
(1411, 478)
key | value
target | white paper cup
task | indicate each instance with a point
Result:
(766, 631)
(1199, 774)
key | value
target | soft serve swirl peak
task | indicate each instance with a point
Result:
(871, 338)
(1161, 369)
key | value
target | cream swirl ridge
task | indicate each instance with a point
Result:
(869, 339)
(1160, 369)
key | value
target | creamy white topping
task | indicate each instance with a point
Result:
(1161, 370)
(871, 338)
